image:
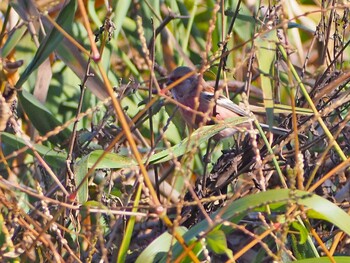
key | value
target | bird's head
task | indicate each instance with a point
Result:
(187, 86)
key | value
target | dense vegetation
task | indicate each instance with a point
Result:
(97, 162)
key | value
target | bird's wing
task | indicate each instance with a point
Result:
(224, 102)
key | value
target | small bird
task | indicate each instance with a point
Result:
(194, 93)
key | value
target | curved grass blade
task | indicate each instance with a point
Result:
(198, 137)
(113, 160)
(159, 247)
(318, 207)
(53, 158)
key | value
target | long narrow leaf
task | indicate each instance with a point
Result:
(80, 170)
(318, 207)
(266, 55)
(50, 42)
(116, 161)
(198, 137)
(54, 158)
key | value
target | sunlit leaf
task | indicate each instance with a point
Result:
(302, 232)
(198, 137)
(338, 259)
(80, 171)
(318, 207)
(217, 242)
(110, 160)
(124, 247)
(159, 247)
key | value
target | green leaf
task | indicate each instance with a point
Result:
(42, 119)
(318, 207)
(300, 26)
(50, 42)
(300, 251)
(80, 170)
(129, 63)
(266, 55)
(121, 10)
(285, 109)
(11, 42)
(124, 247)
(216, 240)
(95, 204)
(54, 158)
(110, 160)
(303, 234)
(116, 161)
(92, 12)
(159, 247)
(198, 137)
(73, 58)
(5, 240)
(323, 260)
